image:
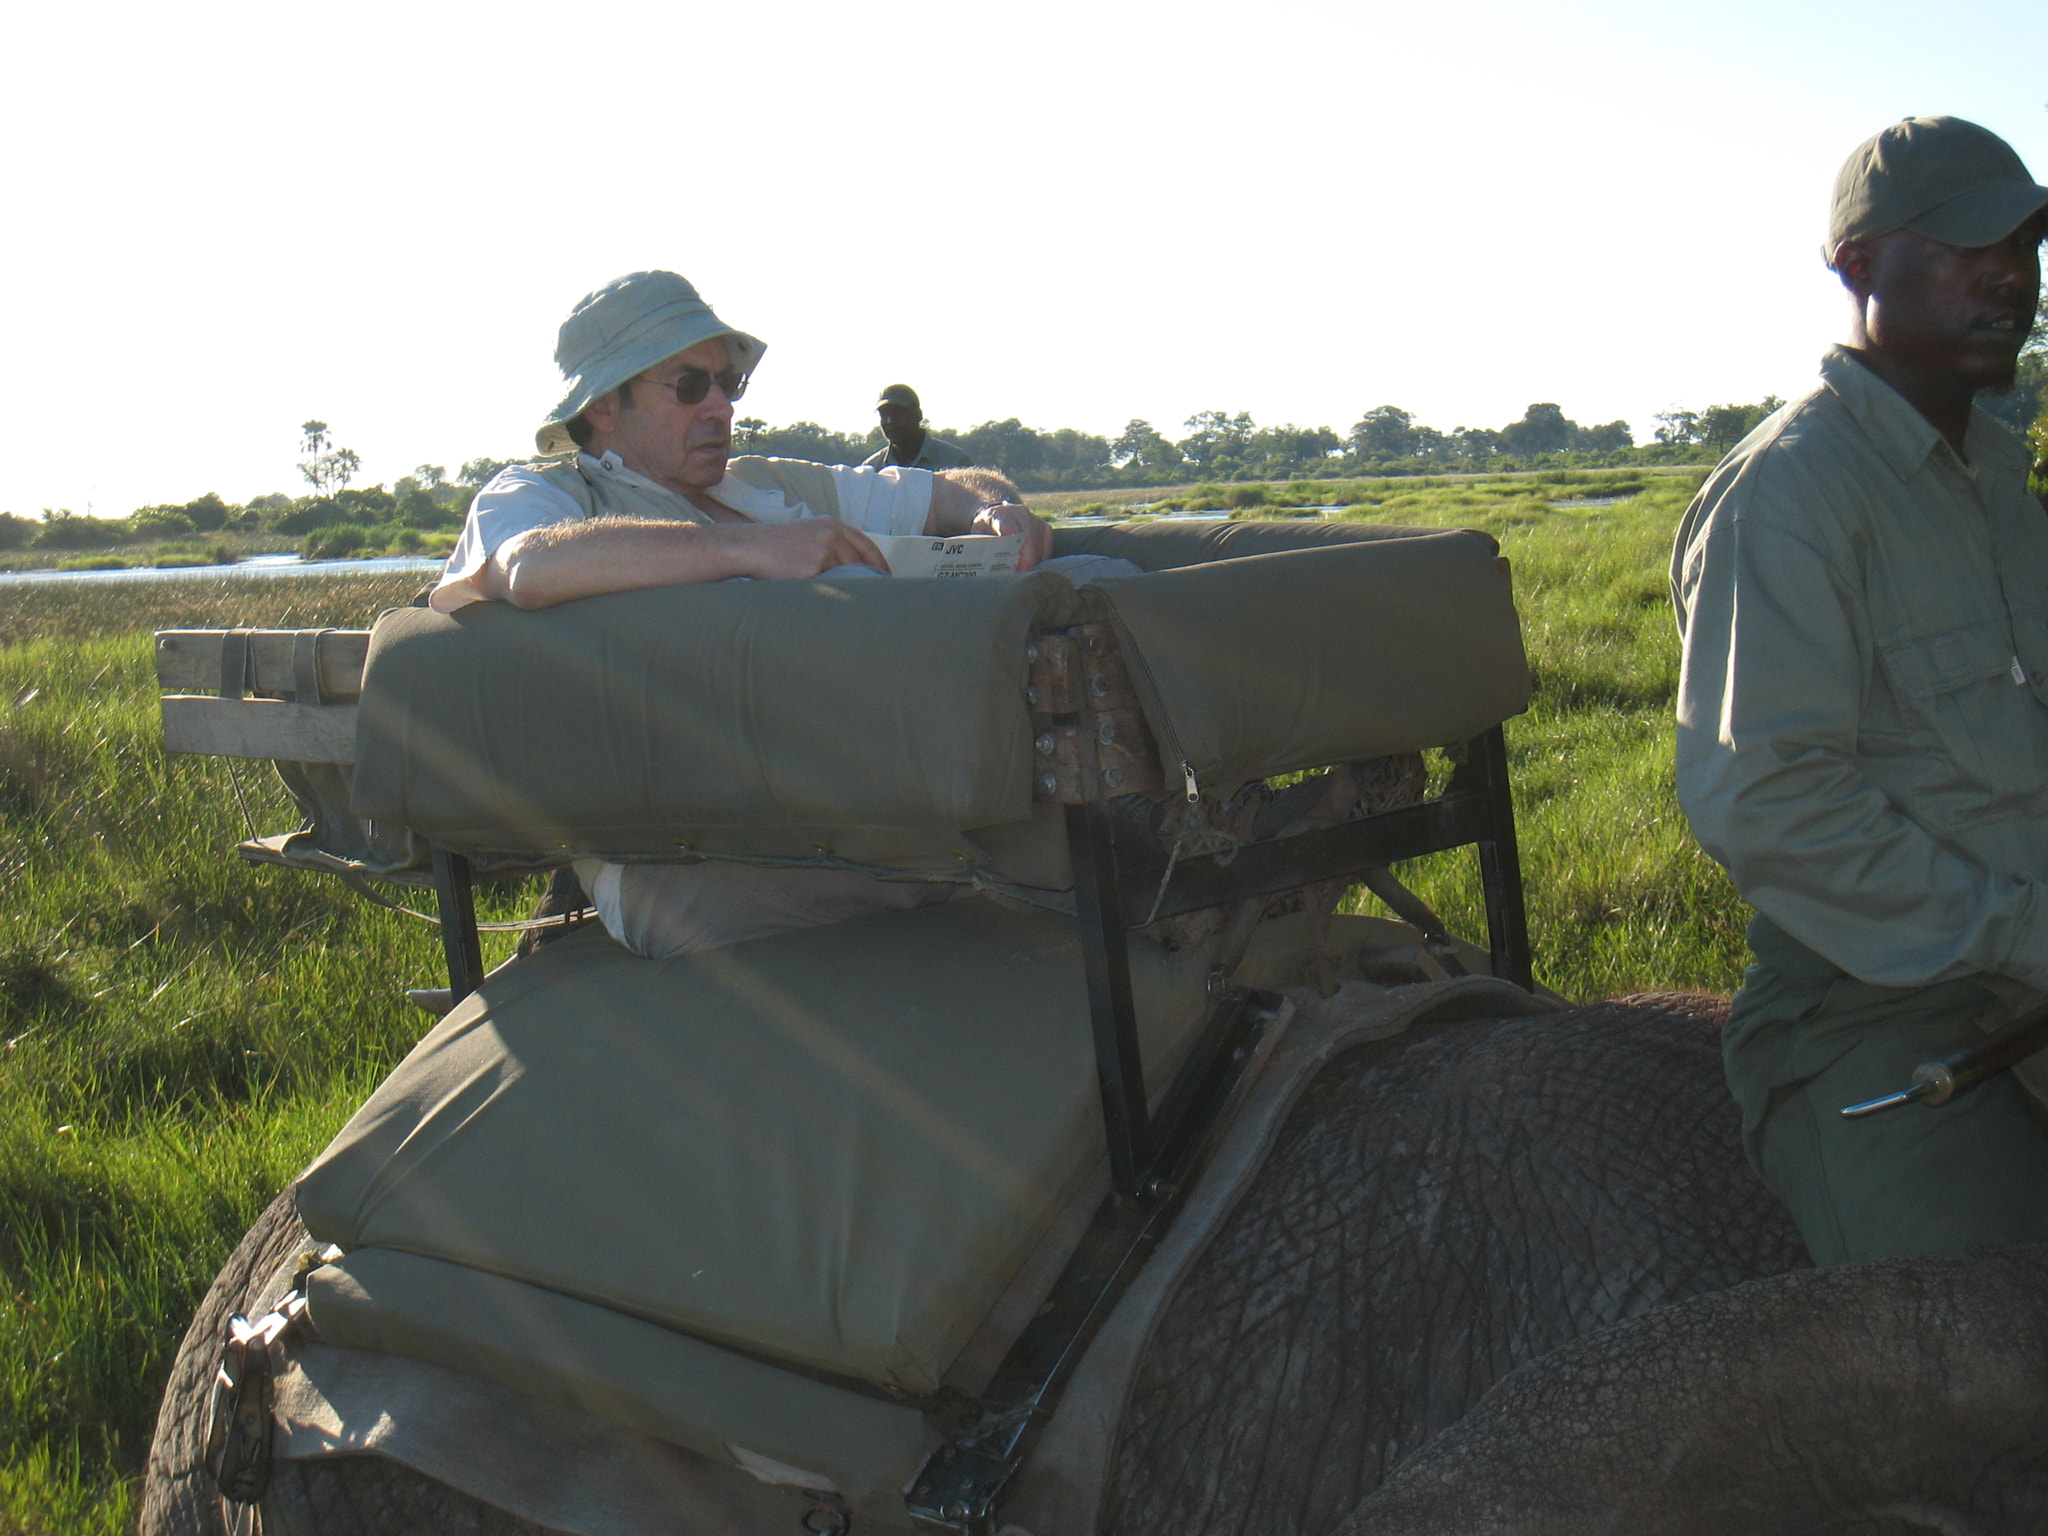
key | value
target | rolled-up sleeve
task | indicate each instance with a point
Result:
(515, 501)
(1777, 667)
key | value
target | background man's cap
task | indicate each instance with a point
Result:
(1941, 177)
(624, 329)
(899, 394)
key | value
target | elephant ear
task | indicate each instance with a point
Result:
(1897, 1395)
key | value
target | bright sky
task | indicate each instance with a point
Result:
(229, 218)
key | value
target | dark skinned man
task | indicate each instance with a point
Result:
(1862, 588)
(909, 444)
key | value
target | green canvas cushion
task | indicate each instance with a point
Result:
(635, 1373)
(867, 721)
(1293, 659)
(834, 1146)
(883, 723)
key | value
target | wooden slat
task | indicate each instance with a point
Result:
(1089, 737)
(1077, 669)
(301, 733)
(188, 661)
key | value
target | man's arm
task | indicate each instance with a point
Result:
(982, 501)
(564, 561)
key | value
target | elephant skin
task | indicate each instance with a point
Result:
(1905, 1395)
(1437, 1209)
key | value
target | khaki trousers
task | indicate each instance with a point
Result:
(1804, 1038)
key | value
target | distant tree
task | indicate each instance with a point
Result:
(1006, 445)
(208, 512)
(1473, 445)
(431, 475)
(1384, 432)
(478, 472)
(799, 440)
(65, 529)
(1275, 453)
(1678, 427)
(416, 509)
(1217, 442)
(326, 468)
(1721, 427)
(15, 532)
(1544, 428)
(159, 523)
(1141, 444)
(1610, 437)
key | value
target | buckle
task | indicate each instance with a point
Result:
(240, 1430)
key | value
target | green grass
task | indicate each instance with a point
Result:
(180, 1031)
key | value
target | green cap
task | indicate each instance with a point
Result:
(621, 331)
(1937, 176)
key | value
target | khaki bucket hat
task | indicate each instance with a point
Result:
(622, 330)
(1941, 177)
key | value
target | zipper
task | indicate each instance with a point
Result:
(1155, 709)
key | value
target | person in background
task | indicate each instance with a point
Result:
(910, 444)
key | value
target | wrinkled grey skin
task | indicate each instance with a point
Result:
(1440, 1210)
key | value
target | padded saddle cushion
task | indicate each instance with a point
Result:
(882, 723)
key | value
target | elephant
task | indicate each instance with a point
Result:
(1495, 1273)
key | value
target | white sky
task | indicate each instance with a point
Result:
(228, 218)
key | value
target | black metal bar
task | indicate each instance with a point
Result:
(1500, 868)
(453, 888)
(1458, 817)
(959, 1490)
(1105, 959)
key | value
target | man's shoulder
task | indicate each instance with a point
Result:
(940, 453)
(560, 473)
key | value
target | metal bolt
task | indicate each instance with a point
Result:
(1045, 744)
(1095, 645)
(957, 1510)
(1031, 650)
(1049, 782)
(1030, 695)
(1113, 776)
(1106, 732)
(1099, 684)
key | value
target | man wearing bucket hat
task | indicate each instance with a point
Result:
(644, 494)
(1862, 588)
(902, 417)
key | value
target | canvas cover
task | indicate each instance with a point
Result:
(883, 723)
(833, 1146)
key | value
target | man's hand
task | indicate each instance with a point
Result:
(1014, 517)
(981, 501)
(796, 551)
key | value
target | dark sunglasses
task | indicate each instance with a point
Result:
(693, 384)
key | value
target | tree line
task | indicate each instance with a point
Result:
(1217, 446)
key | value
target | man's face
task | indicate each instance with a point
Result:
(899, 421)
(1958, 313)
(683, 447)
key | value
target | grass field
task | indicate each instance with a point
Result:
(179, 1031)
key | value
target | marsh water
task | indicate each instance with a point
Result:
(255, 565)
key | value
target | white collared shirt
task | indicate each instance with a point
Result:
(528, 496)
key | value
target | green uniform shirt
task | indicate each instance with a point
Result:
(936, 453)
(1863, 705)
